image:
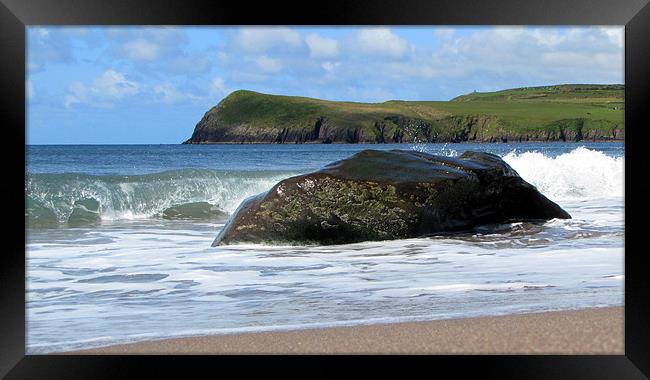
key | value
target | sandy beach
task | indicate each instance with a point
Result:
(586, 331)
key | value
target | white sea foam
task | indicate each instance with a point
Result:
(103, 280)
(581, 174)
(146, 196)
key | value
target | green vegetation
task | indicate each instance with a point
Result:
(549, 113)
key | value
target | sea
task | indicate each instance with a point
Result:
(134, 273)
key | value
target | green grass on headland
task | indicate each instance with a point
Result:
(549, 113)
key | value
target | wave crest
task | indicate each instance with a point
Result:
(172, 194)
(581, 174)
(52, 199)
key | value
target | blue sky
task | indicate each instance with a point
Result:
(151, 85)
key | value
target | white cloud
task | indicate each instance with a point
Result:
(108, 87)
(256, 39)
(322, 47)
(546, 38)
(268, 64)
(159, 49)
(78, 94)
(168, 94)
(616, 35)
(380, 41)
(113, 84)
(141, 49)
(218, 86)
(444, 34)
(156, 48)
(485, 59)
(516, 53)
(330, 66)
(368, 61)
(47, 46)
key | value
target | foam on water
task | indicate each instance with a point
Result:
(578, 175)
(146, 196)
(144, 277)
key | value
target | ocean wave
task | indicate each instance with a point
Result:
(78, 199)
(581, 174)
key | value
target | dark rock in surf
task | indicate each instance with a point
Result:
(382, 195)
(194, 210)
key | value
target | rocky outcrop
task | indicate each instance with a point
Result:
(382, 195)
(245, 117)
(399, 129)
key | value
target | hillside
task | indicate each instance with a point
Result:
(549, 113)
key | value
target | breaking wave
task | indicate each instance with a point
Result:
(54, 199)
(581, 174)
(188, 193)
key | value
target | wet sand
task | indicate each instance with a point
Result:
(586, 331)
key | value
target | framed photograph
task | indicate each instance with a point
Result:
(438, 178)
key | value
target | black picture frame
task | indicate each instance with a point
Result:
(15, 15)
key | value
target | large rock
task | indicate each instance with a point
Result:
(382, 195)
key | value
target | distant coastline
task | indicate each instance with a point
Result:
(403, 142)
(536, 114)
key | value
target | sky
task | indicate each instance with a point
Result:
(151, 85)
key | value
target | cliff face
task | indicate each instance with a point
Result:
(248, 117)
(399, 130)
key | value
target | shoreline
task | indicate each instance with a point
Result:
(584, 331)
